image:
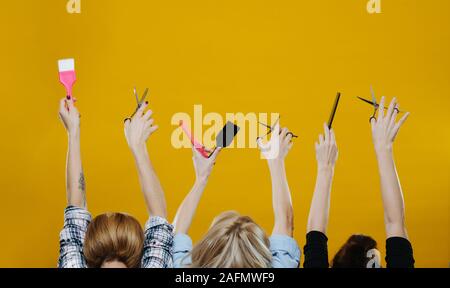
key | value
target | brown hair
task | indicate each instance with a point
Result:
(233, 241)
(353, 254)
(114, 236)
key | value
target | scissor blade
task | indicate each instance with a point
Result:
(275, 124)
(367, 101)
(265, 125)
(143, 96)
(135, 95)
(374, 99)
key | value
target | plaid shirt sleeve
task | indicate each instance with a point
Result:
(71, 238)
(158, 244)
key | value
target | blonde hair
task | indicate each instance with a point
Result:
(233, 241)
(114, 237)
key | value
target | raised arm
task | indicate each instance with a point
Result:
(75, 183)
(275, 151)
(326, 155)
(185, 214)
(137, 130)
(384, 131)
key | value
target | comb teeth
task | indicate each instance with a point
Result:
(66, 65)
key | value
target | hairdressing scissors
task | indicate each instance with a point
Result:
(375, 105)
(273, 128)
(138, 102)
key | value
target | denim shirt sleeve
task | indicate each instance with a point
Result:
(182, 247)
(71, 238)
(158, 241)
(285, 251)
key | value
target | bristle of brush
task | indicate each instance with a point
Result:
(66, 65)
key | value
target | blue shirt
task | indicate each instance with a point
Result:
(284, 249)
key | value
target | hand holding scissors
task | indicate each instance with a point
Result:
(271, 129)
(138, 102)
(139, 126)
(385, 128)
(375, 105)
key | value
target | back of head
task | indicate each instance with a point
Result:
(233, 241)
(354, 253)
(112, 238)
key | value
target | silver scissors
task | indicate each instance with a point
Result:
(273, 128)
(375, 105)
(138, 102)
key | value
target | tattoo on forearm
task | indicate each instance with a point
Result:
(82, 187)
(81, 183)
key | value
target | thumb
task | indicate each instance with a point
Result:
(260, 143)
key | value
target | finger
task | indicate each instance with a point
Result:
(260, 143)
(391, 109)
(149, 123)
(393, 119)
(403, 119)
(70, 104)
(141, 110)
(126, 123)
(290, 145)
(194, 151)
(373, 123)
(381, 109)
(215, 154)
(288, 137)
(284, 131)
(63, 106)
(208, 150)
(316, 145)
(276, 129)
(398, 125)
(148, 114)
(320, 139)
(153, 128)
(333, 137)
(326, 132)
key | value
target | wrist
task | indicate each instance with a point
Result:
(383, 151)
(325, 167)
(201, 181)
(74, 135)
(275, 163)
(139, 150)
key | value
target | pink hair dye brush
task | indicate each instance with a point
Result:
(197, 145)
(67, 74)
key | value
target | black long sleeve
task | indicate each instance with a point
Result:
(399, 253)
(316, 250)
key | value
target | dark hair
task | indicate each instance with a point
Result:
(353, 254)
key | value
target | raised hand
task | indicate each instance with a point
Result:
(69, 115)
(203, 166)
(279, 145)
(326, 148)
(385, 128)
(139, 128)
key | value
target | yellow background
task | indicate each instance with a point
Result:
(289, 57)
